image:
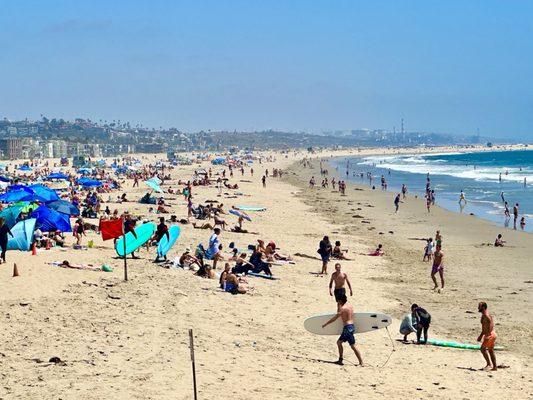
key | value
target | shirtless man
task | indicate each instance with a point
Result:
(340, 279)
(487, 337)
(438, 266)
(345, 312)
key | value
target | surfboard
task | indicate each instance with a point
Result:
(273, 278)
(165, 244)
(250, 208)
(240, 214)
(457, 345)
(363, 321)
(144, 233)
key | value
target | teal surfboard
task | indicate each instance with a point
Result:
(457, 345)
(250, 208)
(144, 233)
(165, 244)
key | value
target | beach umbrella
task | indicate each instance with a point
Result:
(64, 207)
(15, 195)
(27, 206)
(49, 220)
(22, 235)
(58, 176)
(20, 187)
(43, 194)
(25, 168)
(153, 185)
(10, 215)
(87, 182)
(4, 179)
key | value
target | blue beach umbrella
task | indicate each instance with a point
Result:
(15, 195)
(64, 207)
(50, 220)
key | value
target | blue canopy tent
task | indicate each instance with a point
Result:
(22, 235)
(50, 220)
(13, 196)
(58, 176)
(10, 215)
(64, 207)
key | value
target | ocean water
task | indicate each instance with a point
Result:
(482, 176)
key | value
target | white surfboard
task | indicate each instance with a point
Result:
(363, 322)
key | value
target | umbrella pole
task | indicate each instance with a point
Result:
(125, 256)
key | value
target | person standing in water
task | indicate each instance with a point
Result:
(487, 337)
(345, 312)
(462, 198)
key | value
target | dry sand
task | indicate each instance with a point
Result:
(129, 340)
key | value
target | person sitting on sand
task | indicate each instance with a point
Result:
(487, 337)
(256, 259)
(272, 255)
(230, 282)
(377, 252)
(338, 253)
(499, 241)
(220, 221)
(204, 270)
(187, 260)
(242, 266)
(58, 239)
(421, 320)
(407, 327)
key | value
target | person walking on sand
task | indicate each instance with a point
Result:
(264, 180)
(325, 249)
(397, 202)
(487, 337)
(345, 312)
(438, 266)
(340, 279)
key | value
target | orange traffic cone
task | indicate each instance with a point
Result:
(48, 244)
(15, 271)
(34, 250)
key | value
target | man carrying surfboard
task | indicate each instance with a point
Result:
(345, 312)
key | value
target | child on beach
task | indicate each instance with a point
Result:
(428, 250)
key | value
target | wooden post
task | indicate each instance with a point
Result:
(191, 339)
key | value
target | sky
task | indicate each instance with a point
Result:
(449, 66)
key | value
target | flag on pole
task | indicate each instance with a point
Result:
(111, 229)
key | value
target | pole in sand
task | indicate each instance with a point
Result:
(191, 340)
(125, 257)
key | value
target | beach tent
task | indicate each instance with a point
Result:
(49, 220)
(15, 195)
(10, 215)
(22, 235)
(58, 176)
(64, 207)
(43, 193)
(25, 168)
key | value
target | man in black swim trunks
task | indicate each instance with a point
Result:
(345, 311)
(340, 279)
(161, 230)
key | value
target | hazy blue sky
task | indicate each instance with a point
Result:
(297, 65)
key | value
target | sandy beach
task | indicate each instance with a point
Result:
(129, 340)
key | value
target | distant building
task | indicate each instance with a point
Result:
(11, 148)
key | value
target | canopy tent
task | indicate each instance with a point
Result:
(64, 207)
(58, 176)
(153, 185)
(50, 220)
(10, 215)
(22, 235)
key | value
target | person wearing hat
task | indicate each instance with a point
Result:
(187, 260)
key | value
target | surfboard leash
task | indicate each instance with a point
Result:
(393, 348)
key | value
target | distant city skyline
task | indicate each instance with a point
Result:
(452, 67)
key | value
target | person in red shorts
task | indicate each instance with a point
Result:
(487, 337)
